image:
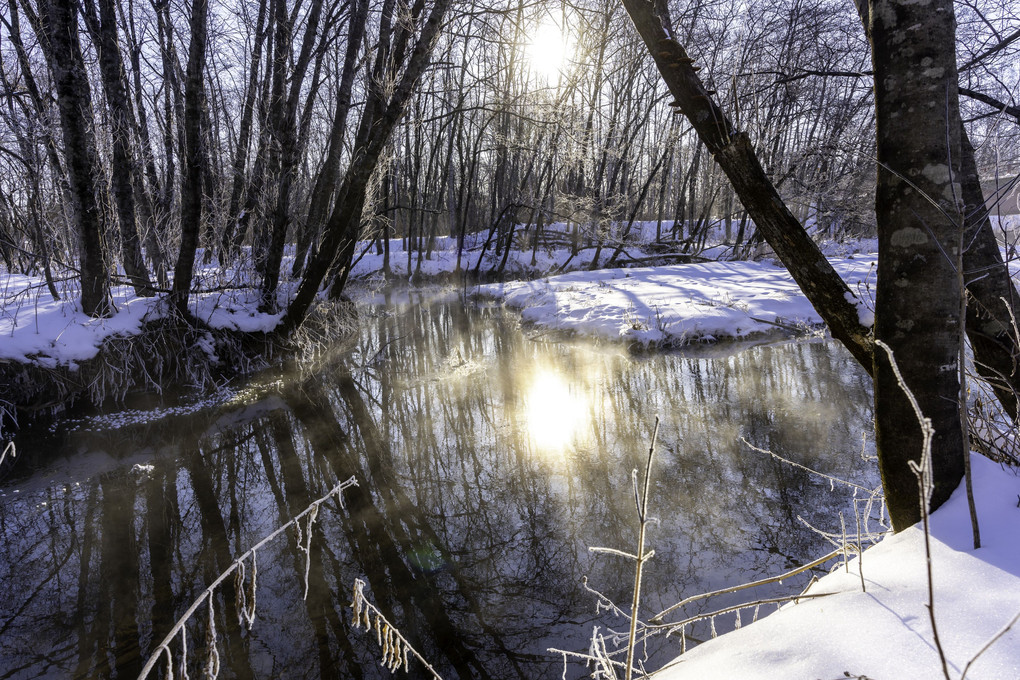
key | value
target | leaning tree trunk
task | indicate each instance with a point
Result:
(191, 189)
(920, 229)
(59, 22)
(992, 299)
(732, 149)
(382, 112)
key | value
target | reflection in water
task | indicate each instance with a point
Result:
(472, 538)
(556, 414)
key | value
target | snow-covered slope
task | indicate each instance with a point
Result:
(885, 632)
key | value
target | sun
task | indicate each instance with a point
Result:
(548, 49)
(555, 413)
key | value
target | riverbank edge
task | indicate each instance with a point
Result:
(166, 351)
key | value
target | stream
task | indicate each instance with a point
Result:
(489, 458)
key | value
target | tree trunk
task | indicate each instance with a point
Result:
(227, 250)
(74, 100)
(326, 179)
(191, 189)
(920, 228)
(103, 29)
(152, 216)
(285, 130)
(380, 116)
(991, 296)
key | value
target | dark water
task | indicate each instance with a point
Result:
(489, 459)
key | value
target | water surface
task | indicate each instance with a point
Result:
(488, 458)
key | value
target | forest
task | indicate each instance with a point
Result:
(463, 254)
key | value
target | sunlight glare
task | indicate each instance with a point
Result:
(548, 49)
(555, 413)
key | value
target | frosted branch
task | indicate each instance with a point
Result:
(249, 611)
(396, 650)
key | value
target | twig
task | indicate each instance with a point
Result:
(395, 646)
(642, 508)
(733, 608)
(923, 473)
(832, 480)
(10, 448)
(163, 647)
(744, 586)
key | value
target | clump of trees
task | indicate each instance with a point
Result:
(138, 134)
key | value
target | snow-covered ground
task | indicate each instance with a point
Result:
(884, 632)
(36, 328)
(676, 304)
(671, 304)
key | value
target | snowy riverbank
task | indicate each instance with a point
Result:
(697, 300)
(885, 633)
(677, 304)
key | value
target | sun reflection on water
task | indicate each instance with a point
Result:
(557, 413)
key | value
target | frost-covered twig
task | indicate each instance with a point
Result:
(925, 486)
(743, 586)
(642, 510)
(597, 654)
(396, 649)
(735, 608)
(11, 449)
(832, 480)
(212, 660)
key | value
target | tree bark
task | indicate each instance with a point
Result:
(102, 27)
(920, 230)
(286, 133)
(377, 122)
(152, 216)
(992, 298)
(191, 189)
(227, 245)
(59, 22)
(326, 180)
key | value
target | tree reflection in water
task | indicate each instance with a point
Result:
(472, 537)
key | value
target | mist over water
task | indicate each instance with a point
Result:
(489, 458)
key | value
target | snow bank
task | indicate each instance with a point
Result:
(885, 633)
(675, 304)
(36, 328)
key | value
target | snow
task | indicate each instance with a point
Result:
(36, 328)
(885, 632)
(676, 304)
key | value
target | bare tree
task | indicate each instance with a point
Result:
(191, 191)
(102, 26)
(57, 27)
(733, 151)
